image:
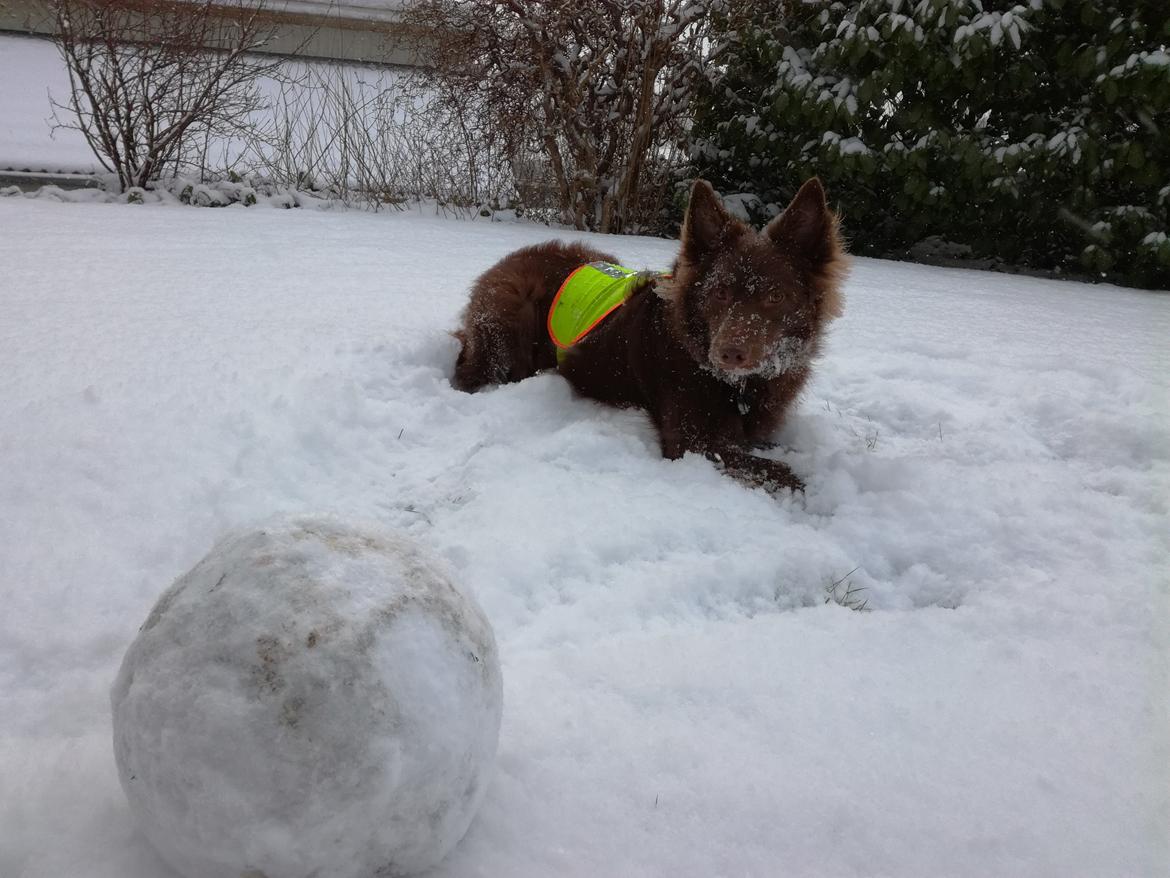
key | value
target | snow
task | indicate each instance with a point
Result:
(988, 470)
(1157, 58)
(852, 146)
(31, 71)
(29, 141)
(349, 647)
(844, 145)
(743, 205)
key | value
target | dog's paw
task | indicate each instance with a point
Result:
(780, 479)
(795, 485)
(773, 476)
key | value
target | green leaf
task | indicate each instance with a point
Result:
(866, 92)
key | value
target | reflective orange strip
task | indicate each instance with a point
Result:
(553, 307)
(564, 285)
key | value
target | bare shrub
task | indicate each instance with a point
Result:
(326, 131)
(371, 136)
(592, 97)
(152, 84)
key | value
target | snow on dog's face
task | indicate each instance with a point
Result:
(753, 303)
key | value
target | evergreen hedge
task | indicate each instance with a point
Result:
(1037, 133)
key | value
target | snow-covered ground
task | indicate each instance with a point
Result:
(987, 457)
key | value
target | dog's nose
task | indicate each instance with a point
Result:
(732, 357)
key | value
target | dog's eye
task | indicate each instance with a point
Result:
(721, 294)
(775, 297)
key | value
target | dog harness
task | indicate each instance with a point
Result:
(588, 295)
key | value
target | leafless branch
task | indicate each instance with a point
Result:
(153, 83)
(589, 99)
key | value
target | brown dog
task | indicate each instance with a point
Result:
(717, 353)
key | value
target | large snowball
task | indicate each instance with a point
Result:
(310, 700)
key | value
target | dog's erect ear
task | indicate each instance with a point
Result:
(806, 223)
(705, 222)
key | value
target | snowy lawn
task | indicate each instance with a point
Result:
(988, 468)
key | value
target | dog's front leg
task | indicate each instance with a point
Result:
(771, 475)
(673, 432)
(680, 432)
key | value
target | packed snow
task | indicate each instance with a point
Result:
(356, 688)
(949, 657)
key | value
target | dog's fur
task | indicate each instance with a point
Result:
(717, 353)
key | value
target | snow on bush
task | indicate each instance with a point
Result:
(310, 699)
(899, 107)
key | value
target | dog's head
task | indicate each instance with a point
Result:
(753, 303)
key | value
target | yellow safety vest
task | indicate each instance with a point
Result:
(590, 294)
